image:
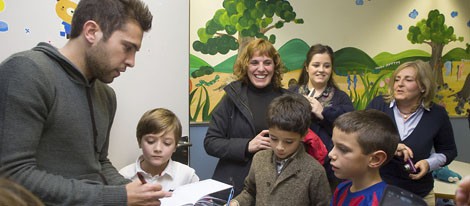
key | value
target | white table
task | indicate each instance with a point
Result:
(446, 190)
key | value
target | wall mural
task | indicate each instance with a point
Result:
(64, 10)
(429, 34)
(3, 25)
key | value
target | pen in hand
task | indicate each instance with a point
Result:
(141, 178)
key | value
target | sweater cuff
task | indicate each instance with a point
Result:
(114, 195)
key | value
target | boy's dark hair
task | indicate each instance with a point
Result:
(158, 120)
(290, 112)
(375, 130)
(110, 15)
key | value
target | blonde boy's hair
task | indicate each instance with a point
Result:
(12, 193)
(156, 121)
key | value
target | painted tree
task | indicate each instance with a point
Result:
(434, 32)
(241, 21)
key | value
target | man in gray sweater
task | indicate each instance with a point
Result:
(56, 109)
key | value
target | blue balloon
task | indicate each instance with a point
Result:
(453, 14)
(413, 14)
(3, 26)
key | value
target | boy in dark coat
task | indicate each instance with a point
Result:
(285, 174)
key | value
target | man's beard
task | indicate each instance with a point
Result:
(96, 61)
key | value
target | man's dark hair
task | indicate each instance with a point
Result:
(110, 15)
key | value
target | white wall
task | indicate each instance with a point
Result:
(159, 78)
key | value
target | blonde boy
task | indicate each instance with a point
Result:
(158, 133)
(286, 174)
(363, 142)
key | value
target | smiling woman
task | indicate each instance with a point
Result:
(328, 102)
(238, 126)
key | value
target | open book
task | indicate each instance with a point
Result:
(190, 194)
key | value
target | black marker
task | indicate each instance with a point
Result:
(141, 178)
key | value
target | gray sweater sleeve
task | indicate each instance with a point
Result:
(25, 100)
(109, 172)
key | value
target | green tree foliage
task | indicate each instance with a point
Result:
(240, 21)
(204, 70)
(434, 32)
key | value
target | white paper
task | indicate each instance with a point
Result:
(191, 193)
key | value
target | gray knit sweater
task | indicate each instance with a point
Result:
(54, 130)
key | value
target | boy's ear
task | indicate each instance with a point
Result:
(377, 158)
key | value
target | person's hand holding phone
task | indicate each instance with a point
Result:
(260, 142)
(422, 167)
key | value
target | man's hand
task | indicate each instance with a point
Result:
(145, 194)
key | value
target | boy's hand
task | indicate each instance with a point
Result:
(145, 194)
(233, 203)
(462, 195)
(422, 167)
(260, 142)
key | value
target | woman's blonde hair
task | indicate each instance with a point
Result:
(424, 79)
(263, 47)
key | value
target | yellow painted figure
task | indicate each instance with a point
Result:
(65, 10)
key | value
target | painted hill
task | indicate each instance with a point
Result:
(196, 62)
(293, 54)
(386, 57)
(346, 59)
(353, 59)
(456, 54)
(226, 66)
